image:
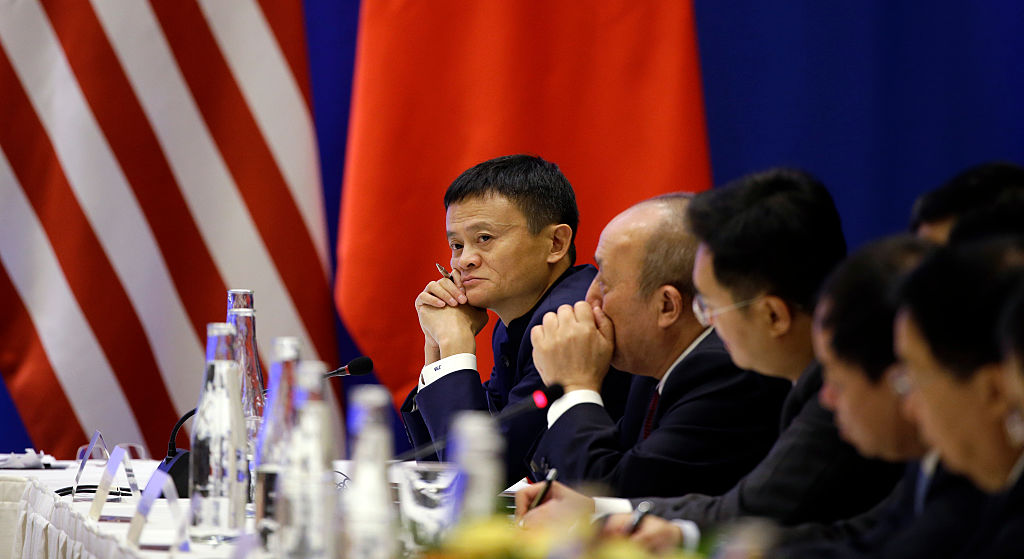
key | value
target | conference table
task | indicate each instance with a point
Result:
(37, 523)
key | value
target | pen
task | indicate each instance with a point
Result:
(552, 475)
(445, 273)
(642, 510)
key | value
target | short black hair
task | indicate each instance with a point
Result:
(956, 297)
(860, 303)
(537, 187)
(1002, 218)
(1011, 328)
(777, 232)
(975, 187)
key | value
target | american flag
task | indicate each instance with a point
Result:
(152, 155)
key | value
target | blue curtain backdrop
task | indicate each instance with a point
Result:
(881, 100)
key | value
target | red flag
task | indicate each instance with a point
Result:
(608, 90)
(152, 155)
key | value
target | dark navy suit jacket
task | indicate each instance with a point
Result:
(810, 474)
(899, 526)
(428, 413)
(713, 423)
(1000, 529)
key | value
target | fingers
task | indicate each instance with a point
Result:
(441, 293)
(524, 497)
(457, 278)
(657, 535)
(604, 324)
(617, 524)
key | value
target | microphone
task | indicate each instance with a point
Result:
(539, 400)
(359, 366)
(176, 462)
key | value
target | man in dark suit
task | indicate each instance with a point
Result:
(694, 422)
(511, 223)
(930, 512)
(766, 243)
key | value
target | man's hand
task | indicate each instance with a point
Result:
(448, 322)
(573, 347)
(654, 534)
(560, 504)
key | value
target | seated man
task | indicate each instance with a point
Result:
(694, 422)
(930, 512)
(936, 213)
(511, 225)
(766, 243)
(967, 403)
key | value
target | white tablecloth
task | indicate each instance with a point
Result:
(36, 523)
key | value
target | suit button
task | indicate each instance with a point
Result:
(505, 362)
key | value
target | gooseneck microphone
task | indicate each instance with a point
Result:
(539, 400)
(359, 366)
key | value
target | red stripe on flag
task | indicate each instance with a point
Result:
(252, 166)
(37, 394)
(608, 90)
(92, 279)
(127, 129)
(288, 24)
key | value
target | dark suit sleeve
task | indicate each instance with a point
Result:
(715, 422)
(810, 475)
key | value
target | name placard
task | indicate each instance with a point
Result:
(106, 480)
(161, 482)
(97, 438)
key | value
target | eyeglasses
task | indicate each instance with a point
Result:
(705, 313)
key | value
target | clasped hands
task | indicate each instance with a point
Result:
(448, 321)
(573, 347)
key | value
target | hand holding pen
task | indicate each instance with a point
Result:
(551, 477)
(446, 291)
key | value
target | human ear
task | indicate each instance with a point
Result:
(560, 236)
(777, 314)
(995, 389)
(669, 303)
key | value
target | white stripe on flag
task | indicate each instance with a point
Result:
(199, 169)
(78, 361)
(105, 196)
(277, 103)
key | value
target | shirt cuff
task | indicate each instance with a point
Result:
(611, 505)
(570, 399)
(437, 369)
(691, 534)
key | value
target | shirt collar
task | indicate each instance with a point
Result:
(687, 351)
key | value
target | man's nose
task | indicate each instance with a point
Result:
(467, 259)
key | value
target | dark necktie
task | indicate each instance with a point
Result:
(649, 420)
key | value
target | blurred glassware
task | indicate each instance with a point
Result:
(272, 445)
(306, 506)
(369, 515)
(218, 469)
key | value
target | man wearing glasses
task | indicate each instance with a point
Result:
(694, 422)
(766, 244)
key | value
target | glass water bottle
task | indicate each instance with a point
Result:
(272, 445)
(218, 468)
(368, 508)
(306, 501)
